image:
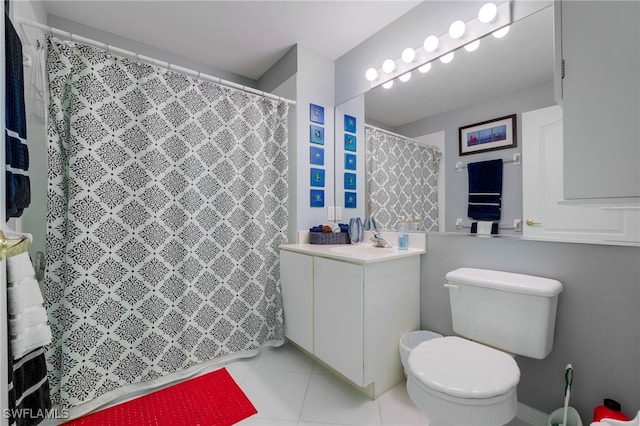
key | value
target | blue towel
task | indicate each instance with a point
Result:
(17, 153)
(485, 190)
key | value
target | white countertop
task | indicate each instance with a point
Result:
(353, 253)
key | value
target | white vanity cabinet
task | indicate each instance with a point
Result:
(350, 314)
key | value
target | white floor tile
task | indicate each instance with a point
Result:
(397, 408)
(286, 358)
(276, 394)
(257, 421)
(329, 400)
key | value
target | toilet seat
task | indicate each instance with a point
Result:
(460, 368)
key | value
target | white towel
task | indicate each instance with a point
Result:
(23, 295)
(484, 227)
(19, 267)
(30, 317)
(32, 338)
(28, 326)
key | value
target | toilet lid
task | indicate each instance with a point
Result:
(462, 368)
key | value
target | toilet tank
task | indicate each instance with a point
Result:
(512, 312)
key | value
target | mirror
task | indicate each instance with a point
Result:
(474, 87)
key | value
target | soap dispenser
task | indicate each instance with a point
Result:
(403, 234)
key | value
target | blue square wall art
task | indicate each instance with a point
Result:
(317, 177)
(316, 134)
(350, 161)
(350, 200)
(316, 155)
(317, 198)
(316, 113)
(349, 181)
(349, 124)
(349, 142)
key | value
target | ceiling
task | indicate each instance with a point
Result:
(242, 37)
(248, 37)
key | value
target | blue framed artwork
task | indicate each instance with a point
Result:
(316, 113)
(317, 198)
(350, 161)
(349, 124)
(349, 142)
(317, 177)
(350, 200)
(349, 181)
(316, 134)
(316, 155)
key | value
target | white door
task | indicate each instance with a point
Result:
(338, 317)
(546, 213)
(296, 282)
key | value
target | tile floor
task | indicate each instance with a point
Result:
(288, 388)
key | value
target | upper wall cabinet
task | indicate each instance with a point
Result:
(600, 46)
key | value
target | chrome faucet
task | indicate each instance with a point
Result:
(378, 241)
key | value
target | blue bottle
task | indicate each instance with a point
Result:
(403, 234)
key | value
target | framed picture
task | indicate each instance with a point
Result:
(316, 155)
(350, 162)
(317, 177)
(350, 201)
(349, 124)
(317, 198)
(316, 134)
(350, 142)
(491, 135)
(349, 181)
(316, 113)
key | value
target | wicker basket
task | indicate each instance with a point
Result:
(329, 238)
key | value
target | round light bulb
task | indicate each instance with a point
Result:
(457, 29)
(472, 47)
(447, 58)
(371, 74)
(501, 32)
(488, 13)
(405, 77)
(425, 68)
(388, 84)
(408, 55)
(388, 66)
(431, 43)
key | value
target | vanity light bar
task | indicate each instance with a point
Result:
(474, 30)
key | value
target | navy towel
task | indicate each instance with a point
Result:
(485, 190)
(17, 153)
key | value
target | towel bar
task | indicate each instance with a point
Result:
(517, 225)
(11, 247)
(515, 160)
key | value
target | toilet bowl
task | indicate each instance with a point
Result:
(459, 382)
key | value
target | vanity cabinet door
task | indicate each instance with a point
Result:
(296, 280)
(601, 98)
(338, 314)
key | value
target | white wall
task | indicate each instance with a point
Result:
(314, 84)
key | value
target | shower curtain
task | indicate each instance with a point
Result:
(167, 201)
(401, 179)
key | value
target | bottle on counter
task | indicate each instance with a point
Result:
(403, 234)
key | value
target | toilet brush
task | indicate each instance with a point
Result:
(568, 379)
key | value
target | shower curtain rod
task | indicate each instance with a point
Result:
(163, 64)
(380, 129)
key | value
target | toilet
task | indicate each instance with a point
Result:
(471, 378)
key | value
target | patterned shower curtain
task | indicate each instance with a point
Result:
(167, 201)
(402, 179)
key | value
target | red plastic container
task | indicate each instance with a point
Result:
(610, 410)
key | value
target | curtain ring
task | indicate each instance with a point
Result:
(109, 55)
(138, 59)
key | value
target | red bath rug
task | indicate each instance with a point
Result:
(208, 400)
